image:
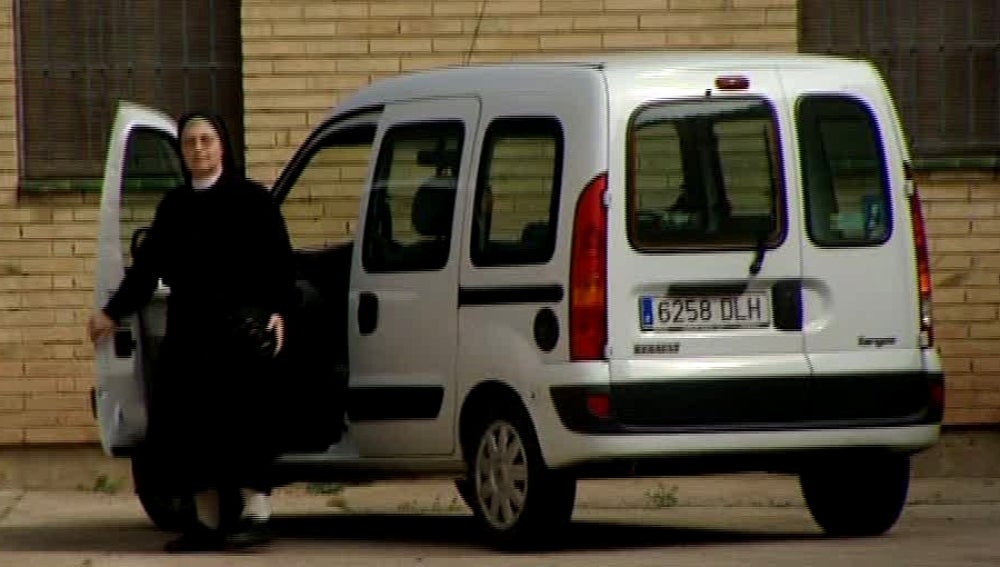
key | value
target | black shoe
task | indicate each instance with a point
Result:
(198, 540)
(250, 533)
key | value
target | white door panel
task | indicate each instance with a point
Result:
(122, 363)
(403, 302)
(860, 298)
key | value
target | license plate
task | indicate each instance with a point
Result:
(748, 310)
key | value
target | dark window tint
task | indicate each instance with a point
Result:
(843, 172)
(412, 201)
(152, 162)
(704, 174)
(517, 196)
(152, 166)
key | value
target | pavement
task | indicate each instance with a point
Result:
(435, 496)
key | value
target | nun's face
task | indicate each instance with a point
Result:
(201, 148)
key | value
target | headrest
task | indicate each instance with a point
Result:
(535, 234)
(433, 206)
(439, 159)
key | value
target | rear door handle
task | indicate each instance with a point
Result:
(367, 313)
(786, 298)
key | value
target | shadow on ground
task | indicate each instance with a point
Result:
(455, 532)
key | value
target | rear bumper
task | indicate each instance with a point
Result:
(629, 454)
(850, 401)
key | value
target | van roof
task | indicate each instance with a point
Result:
(512, 76)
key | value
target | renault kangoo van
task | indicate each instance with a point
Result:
(649, 264)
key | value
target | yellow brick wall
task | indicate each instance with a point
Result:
(301, 56)
(963, 212)
(46, 258)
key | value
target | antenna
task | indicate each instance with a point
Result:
(475, 34)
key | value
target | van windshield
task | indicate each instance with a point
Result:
(704, 173)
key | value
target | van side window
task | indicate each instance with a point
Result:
(843, 172)
(517, 194)
(411, 204)
(705, 174)
(321, 208)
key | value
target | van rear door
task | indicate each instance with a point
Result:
(704, 262)
(860, 297)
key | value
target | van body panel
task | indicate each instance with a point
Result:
(704, 272)
(406, 358)
(860, 300)
(502, 302)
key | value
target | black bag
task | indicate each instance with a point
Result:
(250, 336)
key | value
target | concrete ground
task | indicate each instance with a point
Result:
(714, 520)
(719, 491)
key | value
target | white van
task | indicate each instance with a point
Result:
(650, 264)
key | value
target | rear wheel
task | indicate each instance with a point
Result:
(516, 498)
(858, 496)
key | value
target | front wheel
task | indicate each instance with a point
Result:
(857, 496)
(168, 511)
(514, 495)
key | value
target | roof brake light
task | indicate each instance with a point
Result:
(732, 83)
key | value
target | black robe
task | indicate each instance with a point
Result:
(219, 250)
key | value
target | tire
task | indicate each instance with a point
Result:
(176, 512)
(168, 512)
(857, 496)
(517, 500)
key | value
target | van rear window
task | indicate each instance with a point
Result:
(843, 172)
(705, 173)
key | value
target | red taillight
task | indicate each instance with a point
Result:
(599, 405)
(937, 399)
(923, 271)
(732, 83)
(588, 320)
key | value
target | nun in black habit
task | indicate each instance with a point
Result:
(220, 243)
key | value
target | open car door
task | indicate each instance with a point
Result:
(143, 161)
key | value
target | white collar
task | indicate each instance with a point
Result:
(206, 182)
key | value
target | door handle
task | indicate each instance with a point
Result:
(367, 313)
(124, 343)
(786, 297)
(138, 237)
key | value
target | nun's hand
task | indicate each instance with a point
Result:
(277, 324)
(100, 327)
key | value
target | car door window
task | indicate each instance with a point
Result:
(517, 195)
(411, 205)
(705, 174)
(843, 172)
(152, 166)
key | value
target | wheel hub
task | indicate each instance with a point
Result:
(501, 475)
